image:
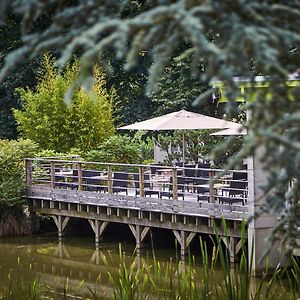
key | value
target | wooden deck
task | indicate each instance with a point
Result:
(90, 192)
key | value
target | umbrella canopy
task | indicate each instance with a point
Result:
(239, 130)
(181, 120)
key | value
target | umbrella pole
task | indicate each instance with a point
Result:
(183, 149)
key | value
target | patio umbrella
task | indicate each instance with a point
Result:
(181, 120)
(239, 130)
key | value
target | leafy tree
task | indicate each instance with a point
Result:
(24, 75)
(12, 185)
(47, 120)
(232, 38)
(177, 89)
(198, 146)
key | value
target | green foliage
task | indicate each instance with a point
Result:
(198, 146)
(24, 75)
(227, 38)
(117, 149)
(12, 184)
(177, 89)
(47, 120)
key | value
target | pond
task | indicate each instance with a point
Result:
(74, 267)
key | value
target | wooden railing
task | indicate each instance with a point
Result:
(194, 184)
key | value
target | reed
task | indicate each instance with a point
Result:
(184, 280)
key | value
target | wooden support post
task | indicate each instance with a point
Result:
(174, 182)
(141, 181)
(52, 174)
(61, 223)
(28, 168)
(110, 180)
(139, 232)
(184, 238)
(98, 228)
(80, 187)
(232, 249)
(95, 259)
(231, 245)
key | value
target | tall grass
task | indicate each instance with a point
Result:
(184, 280)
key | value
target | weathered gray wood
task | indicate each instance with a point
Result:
(141, 181)
(139, 232)
(80, 180)
(28, 170)
(98, 228)
(52, 174)
(174, 183)
(238, 247)
(110, 180)
(190, 238)
(177, 236)
(143, 222)
(61, 223)
(147, 204)
(144, 233)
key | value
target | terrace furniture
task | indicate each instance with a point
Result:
(236, 192)
(180, 188)
(148, 190)
(61, 178)
(91, 179)
(155, 169)
(201, 187)
(120, 182)
(189, 174)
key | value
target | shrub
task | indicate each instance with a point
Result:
(12, 185)
(117, 149)
(46, 118)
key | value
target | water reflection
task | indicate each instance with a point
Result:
(75, 263)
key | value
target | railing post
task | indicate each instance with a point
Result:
(52, 173)
(110, 183)
(211, 187)
(28, 170)
(174, 183)
(80, 187)
(141, 181)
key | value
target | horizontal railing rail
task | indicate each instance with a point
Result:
(190, 184)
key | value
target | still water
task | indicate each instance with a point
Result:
(74, 267)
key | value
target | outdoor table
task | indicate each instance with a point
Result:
(65, 174)
(226, 178)
(215, 189)
(161, 181)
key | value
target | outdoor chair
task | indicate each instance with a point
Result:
(180, 188)
(240, 175)
(61, 181)
(74, 184)
(189, 174)
(236, 192)
(179, 164)
(155, 169)
(90, 183)
(147, 186)
(120, 183)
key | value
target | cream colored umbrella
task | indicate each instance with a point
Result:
(181, 120)
(237, 130)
